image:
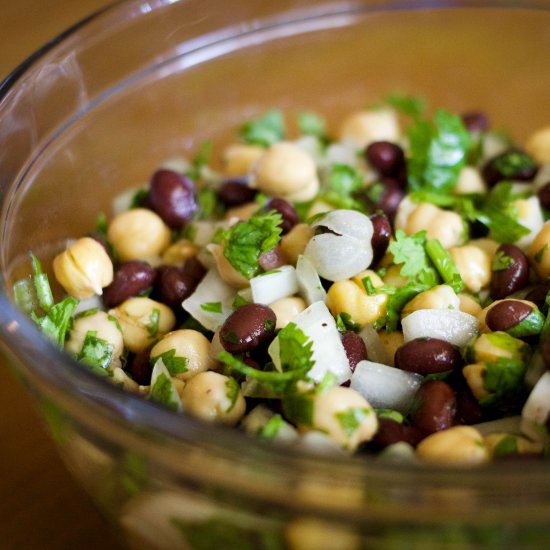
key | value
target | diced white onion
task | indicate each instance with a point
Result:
(176, 164)
(530, 216)
(94, 302)
(375, 348)
(508, 424)
(274, 285)
(122, 201)
(346, 250)
(385, 387)
(451, 325)
(329, 355)
(536, 409)
(211, 289)
(309, 283)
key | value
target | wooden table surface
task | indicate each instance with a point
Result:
(41, 507)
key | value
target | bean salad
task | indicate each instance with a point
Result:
(379, 290)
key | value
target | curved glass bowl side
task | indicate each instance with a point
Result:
(129, 453)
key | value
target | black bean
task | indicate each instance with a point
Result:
(287, 211)
(545, 351)
(130, 279)
(390, 198)
(380, 236)
(390, 432)
(512, 278)
(194, 269)
(385, 157)
(247, 327)
(468, 409)
(435, 407)
(544, 195)
(172, 197)
(272, 259)
(476, 121)
(428, 356)
(235, 191)
(537, 294)
(507, 314)
(355, 348)
(140, 368)
(173, 286)
(510, 165)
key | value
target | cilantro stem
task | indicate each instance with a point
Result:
(444, 264)
(42, 285)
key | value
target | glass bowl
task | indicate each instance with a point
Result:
(98, 109)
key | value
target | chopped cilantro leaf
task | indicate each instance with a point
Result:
(344, 323)
(200, 160)
(58, 320)
(438, 151)
(503, 380)
(351, 419)
(279, 382)
(265, 130)
(295, 349)
(138, 199)
(501, 261)
(163, 393)
(540, 253)
(153, 324)
(272, 427)
(102, 224)
(311, 124)
(410, 251)
(343, 181)
(246, 241)
(444, 264)
(398, 301)
(209, 205)
(239, 301)
(508, 445)
(212, 307)
(175, 364)
(232, 393)
(406, 104)
(96, 353)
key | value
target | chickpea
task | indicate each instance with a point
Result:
(391, 341)
(364, 127)
(474, 266)
(106, 328)
(456, 446)
(470, 181)
(295, 241)
(285, 171)
(214, 397)
(242, 212)
(489, 246)
(530, 215)
(468, 304)
(319, 206)
(84, 269)
(286, 309)
(138, 234)
(539, 252)
(523, 446)
(393, 276)
(179, 252)
(311, 534)
(474, 374)
(226, 271)
(538, 145)
(190, 346)
(142, 321)
(439, 297)
(239, 158)
(345, 415)
(349, 297)
(444, 225)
